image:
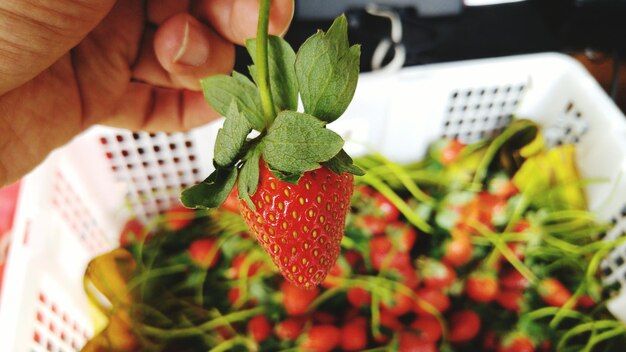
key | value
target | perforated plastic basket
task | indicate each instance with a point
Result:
(73, 206)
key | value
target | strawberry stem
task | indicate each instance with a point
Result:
(267, 103)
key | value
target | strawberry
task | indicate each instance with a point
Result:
(510, 300)
(517, 342)
(402, 235)
(428, 328)
(451, 152)
(354, 335)
(400, 304)
(553, 292)
(321, 338)
(372, 225)
(237, 270)
(464, 326)
(512, 279)
(296, 300)
(132, 232)
(358, 297)
(431, 298)
(383, 255)
(458, 250)
(482, 286)
(259, 328)
(289, 329)
(411, 342)
(301, 225)
(178, 217)
(203, 252)
(436, 274)
(294, 179)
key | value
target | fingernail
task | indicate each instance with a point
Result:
(194, 49)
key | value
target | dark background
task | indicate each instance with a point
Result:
(592, 31)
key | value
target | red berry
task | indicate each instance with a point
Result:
(354, 335)
(371, 224)
(458, 250)
(300, 226)
(436, 274)
(358, 297)
(511, 279)
(232, 201)
(386, 208)
(133, 232)
(482, 286)
(400, 305)
(464, 326)
(407, 275)
(203, 252)
(451, 152)
(553, 292)
(517, 343)
(259, 328)
(510, 300)
(411, 342)
(383, 255)
(402, 236)
(321, 338)
(428, 298)
(289, 329)
(237, 269)
(325, 318)
(427, 327)
(296, 300)
(178, 217)
(586, 302)
(490, 341)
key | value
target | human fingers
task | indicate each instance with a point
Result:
(160, 10)
(35, 34)
(189, 50)
(237, 20)
(148, 108)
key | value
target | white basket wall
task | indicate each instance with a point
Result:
(73, 206)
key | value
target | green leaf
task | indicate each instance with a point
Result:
(342, 162)
(211, 192)
(221, 90)
(231, 137)
(298, 142)
(249, 177)
(292, 178)
(327, 70)
(283, 82)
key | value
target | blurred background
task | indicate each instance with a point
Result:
(433, 31)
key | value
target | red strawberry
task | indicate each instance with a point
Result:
(411, 342)
(321, 317)
(295, 299)
(517, 343)
(259, 328)
(434, 298)
(436, 274)
(400, 304)
(178, 217)
(512, 279)
(385, 207)
(451, 151)
(482, 286)
(510, 300)
(236, 269)
(371, 224)
(428, 328)
(321, 338)
(464, 326)
(232, 202)
(586, 302)
(458, 250)
(553, 292)
(358, 297)
(383, 255)
(300, 226)
(354, 335)
(402, 235)
(203, 252)
(289, 329)
(133, 232)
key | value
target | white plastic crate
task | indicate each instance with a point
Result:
(72, 207)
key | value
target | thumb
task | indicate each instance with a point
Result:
(34, 34)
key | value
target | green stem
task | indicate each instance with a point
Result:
(267, 104)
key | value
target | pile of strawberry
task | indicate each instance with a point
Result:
(435, 257)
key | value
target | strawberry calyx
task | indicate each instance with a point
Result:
(291, 143)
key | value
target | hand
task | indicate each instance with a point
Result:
(68, 64)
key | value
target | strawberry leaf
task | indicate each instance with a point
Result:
(342, 162)
(297, 142)
(327, 70)
(283, 82)
(221, 90)
(249, 177)
(211, 192)
(231, 137)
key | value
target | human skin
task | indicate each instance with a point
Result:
(66, 65)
